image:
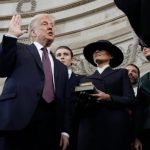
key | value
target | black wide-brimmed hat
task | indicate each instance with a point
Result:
(115, 52)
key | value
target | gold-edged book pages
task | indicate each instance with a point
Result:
(86, 86)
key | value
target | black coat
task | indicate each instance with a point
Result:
(137, 12)
(105, 125)
(142, 113)
(72, 83)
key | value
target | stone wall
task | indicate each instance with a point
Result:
(79, 22)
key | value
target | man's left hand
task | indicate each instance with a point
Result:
(64, 142)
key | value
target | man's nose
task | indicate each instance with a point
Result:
(50, 25)
(145, 49)
(61, 57)
(49, 28)
(129, 72)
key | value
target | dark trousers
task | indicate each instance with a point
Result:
(41, 134)
(1, 143)
(74, 134)
(145, 139)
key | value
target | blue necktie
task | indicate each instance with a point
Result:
(48, 89)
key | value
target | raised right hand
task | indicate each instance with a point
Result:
(15, 26)
(137, 145)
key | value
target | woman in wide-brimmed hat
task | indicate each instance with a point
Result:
(105, 122)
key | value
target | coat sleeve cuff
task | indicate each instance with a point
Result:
(66, 134)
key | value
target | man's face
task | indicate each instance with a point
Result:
(145, 48)
(44, 30)
(101, 56)
(64, 55)
(146, 52)
(133, 74)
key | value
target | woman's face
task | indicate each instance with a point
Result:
(145, 49)
(146, 52)
(101, 56)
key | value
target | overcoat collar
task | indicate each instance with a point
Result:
(105, 73)
(35, 54)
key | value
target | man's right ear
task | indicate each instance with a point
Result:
(33, 34)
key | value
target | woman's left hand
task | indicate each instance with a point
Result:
(100, 95)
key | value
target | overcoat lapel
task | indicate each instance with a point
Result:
(56, 71)
(33, 50)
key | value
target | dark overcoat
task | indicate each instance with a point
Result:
(72, 83)
(105, 125)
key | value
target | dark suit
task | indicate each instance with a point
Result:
(142, 113)
(105, 125)
(137, 12)
(21, 103)
(73, 81)
(1, 143)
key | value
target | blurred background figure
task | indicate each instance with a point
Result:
(142, 114)
(138, 15)
(134, 75)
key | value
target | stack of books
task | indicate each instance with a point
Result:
(87, 87)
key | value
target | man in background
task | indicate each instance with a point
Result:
(134, 75)
(65, 55)
(143, 106)
(137, 12)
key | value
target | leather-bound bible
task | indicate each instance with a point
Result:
(87, 87)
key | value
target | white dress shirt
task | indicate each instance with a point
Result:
(69, 73)
(135, 87)
(101, 69)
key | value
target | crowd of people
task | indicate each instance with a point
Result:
(40, 109)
